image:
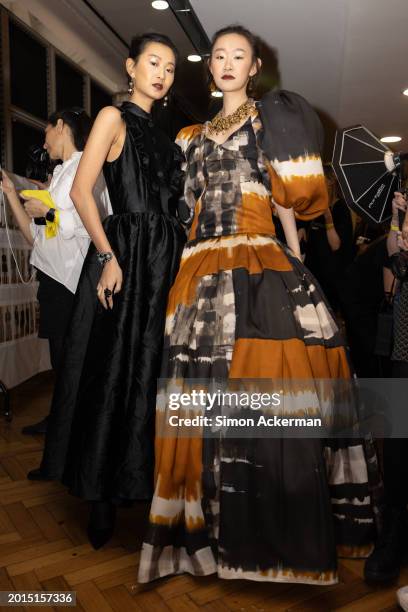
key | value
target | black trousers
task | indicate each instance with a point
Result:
(396, 457)
(56, 303)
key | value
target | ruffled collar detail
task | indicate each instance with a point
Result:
(133, 108)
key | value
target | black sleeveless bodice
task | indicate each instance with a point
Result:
(146, 175)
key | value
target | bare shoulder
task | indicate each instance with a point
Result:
(109, 115)
(108, 126)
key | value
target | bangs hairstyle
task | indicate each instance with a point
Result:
(77, 120)
(139, 44)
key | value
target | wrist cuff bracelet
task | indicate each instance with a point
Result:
(103, 258)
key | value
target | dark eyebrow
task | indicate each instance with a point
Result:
(160, 58)
(222, 49)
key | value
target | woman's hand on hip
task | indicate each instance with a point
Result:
(109, 283)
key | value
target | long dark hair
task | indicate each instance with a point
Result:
(77, 120)
(139, 43)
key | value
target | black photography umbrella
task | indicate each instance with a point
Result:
(368, 172)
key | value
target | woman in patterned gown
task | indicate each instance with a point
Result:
(243, 306)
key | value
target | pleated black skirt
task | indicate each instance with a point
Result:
(100, 436)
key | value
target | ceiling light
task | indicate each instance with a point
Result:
(217, 94)
(194, 58)
(405, 92)
(160, 5)
(391, 139)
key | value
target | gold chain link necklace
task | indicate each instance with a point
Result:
(222, 124)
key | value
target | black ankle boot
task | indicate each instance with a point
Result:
(37, 474)
(384, 563)
(101, 523)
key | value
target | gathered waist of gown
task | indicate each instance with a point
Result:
(218, 214)
(254, 252)
(143, 214)
(231, 238)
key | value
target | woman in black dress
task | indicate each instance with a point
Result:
(100, 437)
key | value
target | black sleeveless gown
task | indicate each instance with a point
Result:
(100, 433)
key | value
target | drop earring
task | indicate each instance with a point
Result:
(131, 86)
(165, 101)
(212, 86)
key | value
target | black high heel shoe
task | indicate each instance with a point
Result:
(101, 523)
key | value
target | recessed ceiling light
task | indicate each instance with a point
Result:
(391, 139)
(217, 94)
(160, 5)
(405, 92)
(194, 58)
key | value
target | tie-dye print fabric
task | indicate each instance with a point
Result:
(243, 307)
(292, 139)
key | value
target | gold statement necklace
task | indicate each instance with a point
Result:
(222, 124)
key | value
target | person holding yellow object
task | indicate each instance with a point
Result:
(50, 223)
(51, 212)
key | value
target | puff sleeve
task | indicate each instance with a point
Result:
(292, 139)
(186, 205)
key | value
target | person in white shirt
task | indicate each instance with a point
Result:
(58, 259)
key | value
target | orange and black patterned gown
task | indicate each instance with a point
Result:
(243, 307)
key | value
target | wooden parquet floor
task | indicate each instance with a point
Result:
(43, 546)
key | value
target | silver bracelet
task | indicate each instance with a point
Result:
(103, 258)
